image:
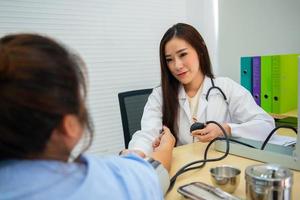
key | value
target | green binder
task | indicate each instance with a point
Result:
(284, 83)
(266, 83)
(246, 73)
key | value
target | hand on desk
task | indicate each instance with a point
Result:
(210, 132)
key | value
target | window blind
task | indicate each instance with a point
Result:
(118, 40)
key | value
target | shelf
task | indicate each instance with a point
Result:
(292, 113)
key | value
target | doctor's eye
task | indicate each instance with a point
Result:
(168, 60)
(183, 54)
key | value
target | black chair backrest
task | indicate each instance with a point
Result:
(132, 105)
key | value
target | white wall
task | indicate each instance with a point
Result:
(235, 28)
(256, 27)
(119, 41)
(203, 15)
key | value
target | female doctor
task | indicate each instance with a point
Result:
(189, 92)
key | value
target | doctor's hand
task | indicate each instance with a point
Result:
(165, 138)
(210, 132)
(163, 150)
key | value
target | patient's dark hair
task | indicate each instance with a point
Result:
(40, 83)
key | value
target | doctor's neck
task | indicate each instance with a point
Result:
(193, 86)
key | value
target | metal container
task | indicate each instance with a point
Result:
(225, 177)
(268, 181)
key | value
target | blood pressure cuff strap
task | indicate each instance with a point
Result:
(162, 173)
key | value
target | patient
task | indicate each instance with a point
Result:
(42, 118)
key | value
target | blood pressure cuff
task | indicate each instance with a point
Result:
(161, 172)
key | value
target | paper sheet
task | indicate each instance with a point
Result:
(282, 140)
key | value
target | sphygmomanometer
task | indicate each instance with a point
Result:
(201, 163)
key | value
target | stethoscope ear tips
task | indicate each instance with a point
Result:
(196, 126)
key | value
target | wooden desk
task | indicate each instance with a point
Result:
(286, 132)
(191, 152)
(292, 113)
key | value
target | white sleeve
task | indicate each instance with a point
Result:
(248, 119)
(151, 124)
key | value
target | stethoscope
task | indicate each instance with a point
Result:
(217, 88)
(213, 86)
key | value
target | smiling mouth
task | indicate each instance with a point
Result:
(181, 74)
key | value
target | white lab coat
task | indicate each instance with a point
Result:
(245, 118)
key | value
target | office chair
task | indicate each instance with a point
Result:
(132, 107)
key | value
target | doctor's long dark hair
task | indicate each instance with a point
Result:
(169, 83)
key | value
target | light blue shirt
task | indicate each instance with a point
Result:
(110, 177)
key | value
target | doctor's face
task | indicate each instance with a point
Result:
(183, 61)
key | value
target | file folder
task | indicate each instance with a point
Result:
(284, 83)
(256, 79)
(266, 83)
(246, 73)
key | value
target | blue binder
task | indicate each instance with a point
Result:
(246, 73)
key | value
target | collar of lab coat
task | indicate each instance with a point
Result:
(184, 103)
(206, 85)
